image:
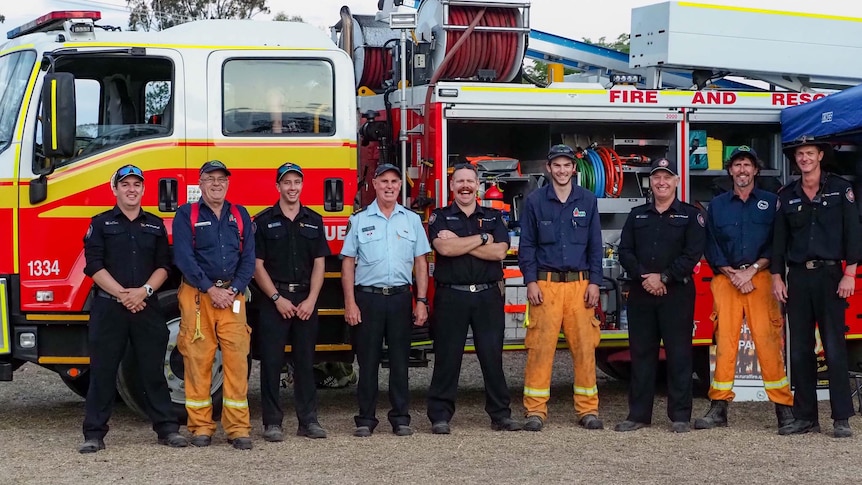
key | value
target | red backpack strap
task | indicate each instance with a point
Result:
(193, 218)
(195, 214)
(236, 215)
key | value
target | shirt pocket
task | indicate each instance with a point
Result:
(114, 233)
(275, 233)
(547, 232)
(580, 233)
(149, 236)
(372, 246)
(406, 241)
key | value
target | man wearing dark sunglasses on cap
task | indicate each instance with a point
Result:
(290, 247)
(126, 251)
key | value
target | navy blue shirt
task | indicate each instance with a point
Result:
(740, 232)
(557, 236)
(214, 254)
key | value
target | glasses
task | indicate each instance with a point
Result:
(210, 180)
(129, 170)
(468, 166)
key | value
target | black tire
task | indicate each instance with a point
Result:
(79, 385)
(129, 386)
(621, 371)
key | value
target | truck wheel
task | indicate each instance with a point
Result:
(79, 385)
(130, 388)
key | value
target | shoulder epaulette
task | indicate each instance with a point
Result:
(263, 212)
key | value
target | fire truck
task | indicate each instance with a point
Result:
(443, 84)
(80, 99)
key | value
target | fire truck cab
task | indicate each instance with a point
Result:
(80, 99)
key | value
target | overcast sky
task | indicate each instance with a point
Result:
(586, 18)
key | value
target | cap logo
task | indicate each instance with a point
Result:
(662, 163)
(744, 148)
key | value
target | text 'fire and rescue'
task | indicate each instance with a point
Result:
(710, 97)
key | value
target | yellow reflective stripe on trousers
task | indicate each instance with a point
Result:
(529, 391)
(586, 391)
(198, 404)
(230, 403)
(722, 386)
(775, 384)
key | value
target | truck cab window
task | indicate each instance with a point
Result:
(15, 69)
(119, 100)
(276, 97)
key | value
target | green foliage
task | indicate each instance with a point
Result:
(283, 17)
(162, 14)
(622, 43)
(157, 95)
(538, 70)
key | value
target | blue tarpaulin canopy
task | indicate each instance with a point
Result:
(835, 118)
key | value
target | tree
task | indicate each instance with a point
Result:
(622, 44)
(538, 70)
(283, 17)
(2, 18)
(162, 14)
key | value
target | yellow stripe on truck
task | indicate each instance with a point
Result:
(5, 345)
(771, 12)
(54, 114)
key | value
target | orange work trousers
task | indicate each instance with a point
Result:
(765, 321)
(563, 306)
(219, 328)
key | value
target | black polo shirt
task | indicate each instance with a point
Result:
(129, 250)
(288, 248)
(826, 227)
(670, 242)
(467, 269)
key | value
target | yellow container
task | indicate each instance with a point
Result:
(714, 153)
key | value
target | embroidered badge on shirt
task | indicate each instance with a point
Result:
(762, 205)
(849, 194)
(302, 224)
(700, 220)
(579, 213)
(273, 224)
(432, 218)
(89, 232)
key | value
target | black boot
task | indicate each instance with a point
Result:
(716, 416)
(784, 415)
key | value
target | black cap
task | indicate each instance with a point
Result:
(663, 164)
(805, 140)
(214, 165)
(381, 169)
(561, 151)
(743, 150)
(285, 168)
(127, 171)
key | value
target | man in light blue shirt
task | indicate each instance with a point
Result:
(384, 242)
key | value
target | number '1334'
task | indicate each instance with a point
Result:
(44, 267)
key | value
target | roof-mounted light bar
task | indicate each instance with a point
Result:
(54, 21)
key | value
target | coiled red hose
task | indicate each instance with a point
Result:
(497, 51)
(377, 66)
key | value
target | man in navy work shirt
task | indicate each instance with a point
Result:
(215, 253)
(739, 247)
(660, 244)
(126, 252)
(816, 228)
(471, 241)
(291, 246)
(384, 242)
(560, 257)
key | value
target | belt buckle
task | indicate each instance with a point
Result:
(473, 289)
(292, 287)
(219, 284)
(744, 266)
(811, 264)
(386, 290)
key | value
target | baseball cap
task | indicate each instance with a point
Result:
(127, 171)
(214, 165)
(561, 151)
(285, 168)
(743, 150)
(381, 169)
(663, 164)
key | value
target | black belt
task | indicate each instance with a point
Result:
(105, 294)
(563, 276)
(222, 284)
(291, 287)
(744, 266)
(470, 288)
(383, 290)
(816, 263)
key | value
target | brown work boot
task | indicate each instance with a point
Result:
(784, 415)
(716, 416)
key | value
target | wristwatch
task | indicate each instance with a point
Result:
(755, 266)
(484, 237)
(422, 300)
(664, 278)
(275, 296)
(149, 290)
(234, 290)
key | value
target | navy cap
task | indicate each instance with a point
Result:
(742, 151)
(381, 169)
(663, 164)
(214, 165)
(127, 171)
(561, 151)
(285, 168)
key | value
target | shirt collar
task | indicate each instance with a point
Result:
(574, 195)
(756, 194)
(276, 209)
(798, 187)
(116, 212)
(676, 205)
(374, 209)
(455, 209)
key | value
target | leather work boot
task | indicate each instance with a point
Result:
(716, 416)
(680, 427)
(403, 430)
(91, 446)
(784, 415)
(800, 426)
(590, 421)
(362, 432)
(241, 443)
(174, 440)
(534, 423)
(841, 429)
(311, 430)
(440, 427)
(273, 433)
(201, 440)
(506, 424)
(629, 426)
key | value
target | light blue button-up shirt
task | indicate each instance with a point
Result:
(384, 248)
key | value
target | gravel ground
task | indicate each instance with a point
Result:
(40, 424)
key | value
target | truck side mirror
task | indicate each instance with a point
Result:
(58, 115)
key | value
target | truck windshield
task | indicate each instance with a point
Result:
(15, 69)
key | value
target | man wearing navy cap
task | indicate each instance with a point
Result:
(661, 243)
(214, 249)
(290, 247)
(384, 242)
